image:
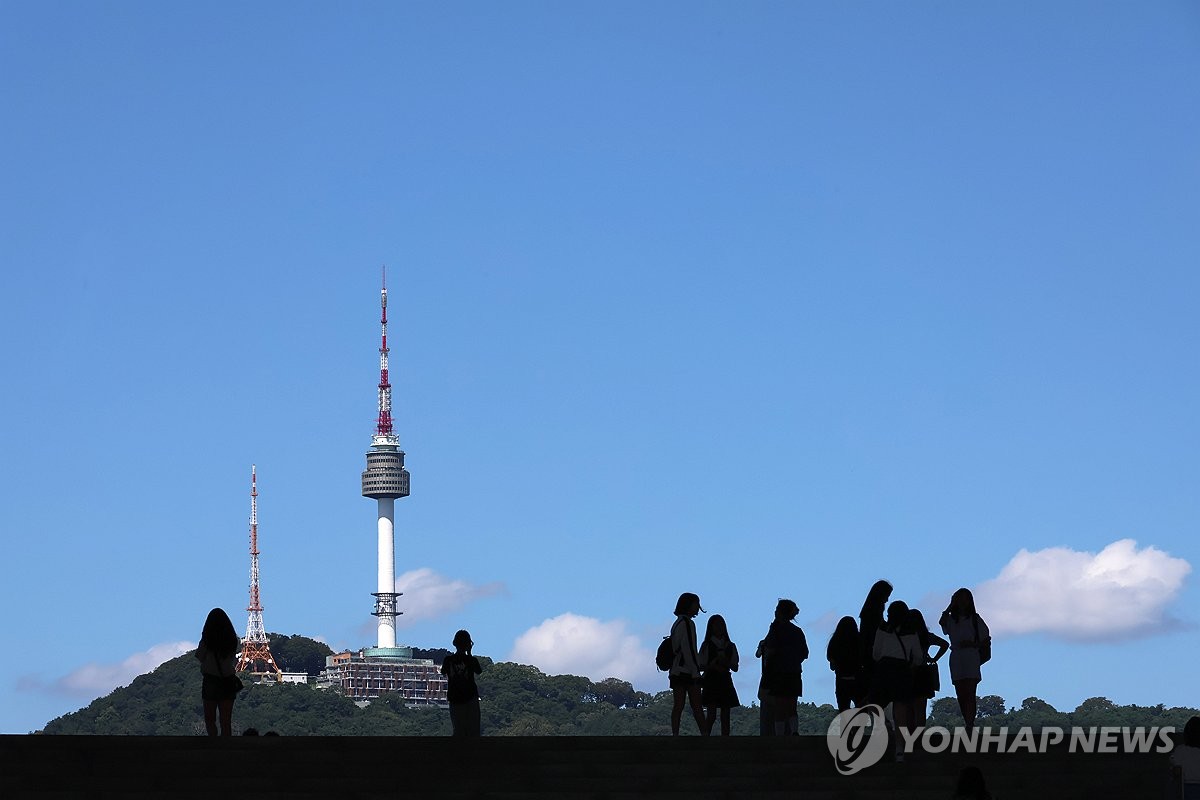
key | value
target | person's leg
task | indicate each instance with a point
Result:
(793, 717)
(458, 719)
(473, 726)
(697, 708)
(711, 719)
(679, 697)
(724, 721)
(902, 710)
(225, 706)
(210, 717)
(967, 703)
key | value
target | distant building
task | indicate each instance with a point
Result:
(374, 671)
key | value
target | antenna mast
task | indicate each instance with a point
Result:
(255, 657)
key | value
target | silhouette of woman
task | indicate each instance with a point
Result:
(845, 659)
(869, 620)
(896, 651)
(970, 646)
(784, 651)
(1185, 759)
(718, 659)
(685, 669)
(218, 647)
(462, 694)
(923, 685)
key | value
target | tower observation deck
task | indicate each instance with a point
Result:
(385, 480)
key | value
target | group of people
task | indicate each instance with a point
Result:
(885, 658)
(701, 673)
(882, 658)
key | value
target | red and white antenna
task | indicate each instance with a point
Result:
(256, 651)
(383, 428)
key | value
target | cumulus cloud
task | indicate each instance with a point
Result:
(428, 595)
(575, 645)
(1119, 593)
(96, 679)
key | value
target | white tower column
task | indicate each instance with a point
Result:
(387, 568)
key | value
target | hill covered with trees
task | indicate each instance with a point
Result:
(518, 700)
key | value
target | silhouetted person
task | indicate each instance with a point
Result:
(216, 653)
(462, 694)
(765, 726)
(719, 660)
(970, 646)
(925, 681)
(1186, 757)
(685, 668)
(845, 659)
(896, 651)
(869, 620)
(784, 651)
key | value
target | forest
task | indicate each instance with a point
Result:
(517, 700)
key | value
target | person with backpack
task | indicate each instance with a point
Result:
(784, 651)
(719, 660)
(970, 648)
(685, 663)
(217, 654)
(462, 693)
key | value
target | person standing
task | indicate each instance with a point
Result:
(685, 666)
(869, 620)
(845, 659)
(784, 652)
(462, 694)
(220, 684)
(970, 648)
(925, 680)
(897, 652)
(719, 660)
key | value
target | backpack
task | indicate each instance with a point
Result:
(985, 647)
(664, 658)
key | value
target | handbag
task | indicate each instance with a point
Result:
(927, 681)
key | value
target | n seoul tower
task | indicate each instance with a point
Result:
(384, 480)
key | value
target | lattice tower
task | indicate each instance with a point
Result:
(255, 657)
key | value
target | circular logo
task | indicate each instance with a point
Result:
(857, 738)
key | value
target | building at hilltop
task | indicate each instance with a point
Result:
(374, 671)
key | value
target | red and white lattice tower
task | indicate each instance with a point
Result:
(255, 657)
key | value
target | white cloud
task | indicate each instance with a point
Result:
(96, 680)
(575, 645)
(428, 595)
(1119, 593)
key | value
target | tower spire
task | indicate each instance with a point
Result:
(384, 480)
(256, 650)
(383, 428)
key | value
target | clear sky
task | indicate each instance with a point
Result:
(754, 300)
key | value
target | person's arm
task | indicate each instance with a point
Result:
(733, 657)
(877, 647)
(942, 646)
(476, 667)
(803, 645)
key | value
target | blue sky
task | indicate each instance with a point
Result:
(752, 300)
